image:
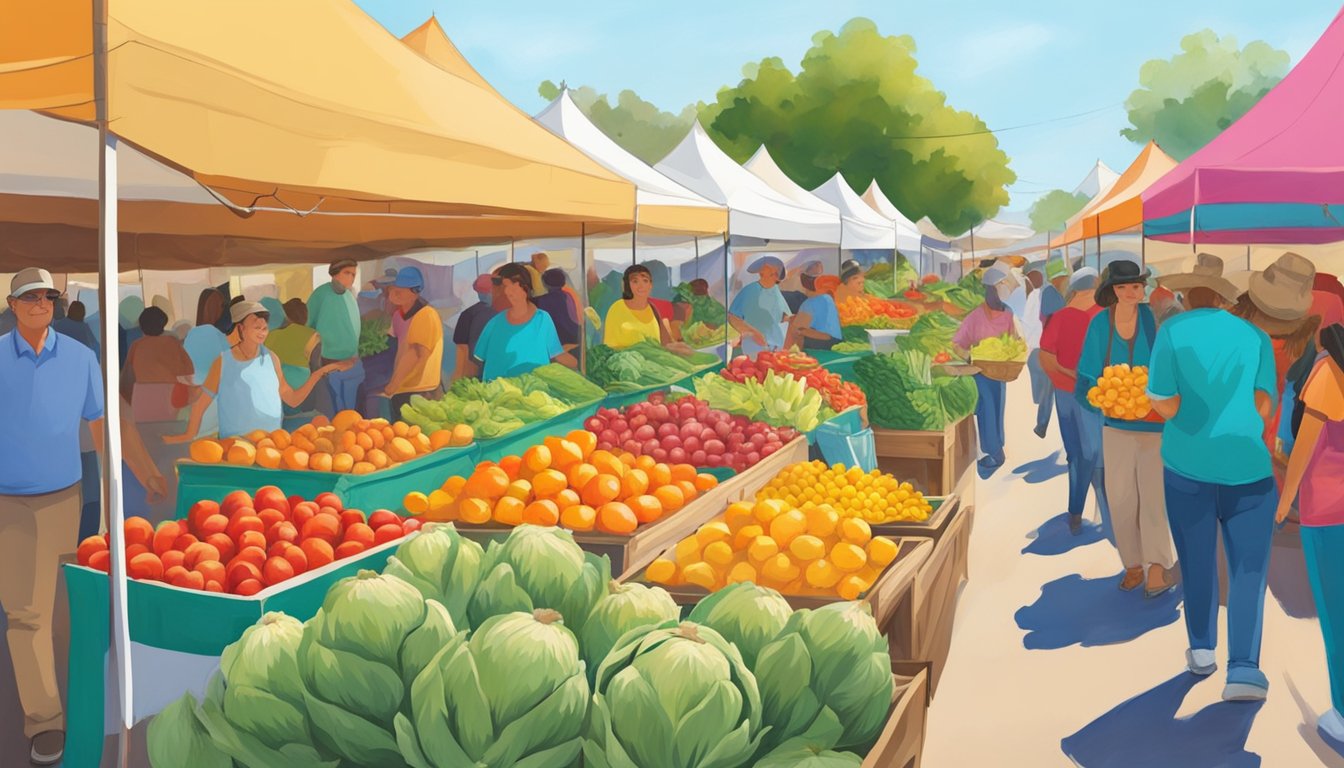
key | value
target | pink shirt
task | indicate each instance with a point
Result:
(979, 326)
(1321, 500)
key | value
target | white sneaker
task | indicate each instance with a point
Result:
(1332, 724)
(1201, 661)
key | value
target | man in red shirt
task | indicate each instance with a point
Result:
(1061, 346)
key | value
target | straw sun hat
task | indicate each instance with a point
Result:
(1208, 273)
(1283, 291)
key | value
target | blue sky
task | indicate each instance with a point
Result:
(1012, 63)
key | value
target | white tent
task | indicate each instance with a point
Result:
(763, 165)
(990, 234)
(1098, 181)
(656, 195)
(837, 192)
(754, 209)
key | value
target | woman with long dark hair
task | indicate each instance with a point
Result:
(633, 318)
(521, 337)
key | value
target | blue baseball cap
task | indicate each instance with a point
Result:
(410, 277)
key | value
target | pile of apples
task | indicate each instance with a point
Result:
(247, 542)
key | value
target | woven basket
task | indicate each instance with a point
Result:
(1004, 371)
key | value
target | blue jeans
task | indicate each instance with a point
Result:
(1322, 547)
(344, 387)
(1081, 430)
(989, 415)
(1246, 514)
(1042, 390)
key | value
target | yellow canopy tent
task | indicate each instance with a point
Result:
(1122, 207)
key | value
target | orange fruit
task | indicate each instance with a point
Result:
(487, 482)
(281, 439)
(474, 511)
(628, 459)
(688, 490)
(520, 490)
(660, 475)
(440, 438)
(362, 468)
(512, 465)
(509, 511)
(342, 462)
(207, 452)
(567, 498)
(645, 463)
(580, 474)
(295, 458)
(401, 428)
(377, 458)
(363, 440)
(548, 483)
(635, 483)
(579, 517)
(269, 457)
(601, 490)
(400, 449)
(416, 503)
(242, 453)
(565, 454)
(607, 463)
(671, 497)
(683, 472)
(324, 445)
(646, 508)
(585, 440)
(705, 482)
(543, 512)
(615, 517)
(320, 462)
(537, 458)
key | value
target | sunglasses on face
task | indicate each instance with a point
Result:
(33, 297)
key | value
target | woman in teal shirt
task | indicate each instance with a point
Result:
(1131, 450)
(521, 338)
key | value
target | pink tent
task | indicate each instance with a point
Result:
(1274, 176)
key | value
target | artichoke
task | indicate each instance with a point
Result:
(674, 696)
(624, 607)
(358, 657)
(746, 615)
(538, 567)
(442, 564)
(178, 739)
(254, 708)
(515, 694)
(831, 658)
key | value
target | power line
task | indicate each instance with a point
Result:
(1009, 128)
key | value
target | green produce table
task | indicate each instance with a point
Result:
(840, 364)
(622, 399)
(173, 622)
(379, 490)
(519, 440)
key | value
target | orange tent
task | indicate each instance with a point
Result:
(1122, 207)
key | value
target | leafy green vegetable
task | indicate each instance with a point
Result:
(701, 335)
(852, 347)
(1005, 348)
(642, 365)
(568, 385)
(932, 333)
(704, 309)
(498, 407)
(778, 401)
(373, 336)
(900, 398)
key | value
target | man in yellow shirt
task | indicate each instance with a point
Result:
(418, 369)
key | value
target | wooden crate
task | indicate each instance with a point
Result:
(889, 596)
(631, 554)
(924, 631)
(937, 463)
(901, 742)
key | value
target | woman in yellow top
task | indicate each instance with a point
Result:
(633, 319)
(293, 343)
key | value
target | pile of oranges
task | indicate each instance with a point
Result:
(873, 496)
(348, 443)
(1122, 392)
(567, 482)
(863, 310)
(808, 550)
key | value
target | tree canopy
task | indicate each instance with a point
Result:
(640, 127)
(1187, 100)
(1053, 210)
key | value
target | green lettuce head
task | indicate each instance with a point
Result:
(674, 696)
(178, 739)
(515, 694)
(358, 657)
(746, 615)
(624, 607)
(537, 567)
(443, 565)
(832, 658)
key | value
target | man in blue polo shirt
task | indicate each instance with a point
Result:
(49, 385)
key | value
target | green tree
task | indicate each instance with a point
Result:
(1052, 211)
(857, 105)
(640, 127)
(1187, 100)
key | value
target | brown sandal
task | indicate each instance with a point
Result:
(1133, 578)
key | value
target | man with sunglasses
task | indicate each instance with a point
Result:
(49, 385)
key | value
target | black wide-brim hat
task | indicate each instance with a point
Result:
(1122, 272)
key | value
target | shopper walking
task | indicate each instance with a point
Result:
(1042, 389)
(1212, 379)
(1123, 333)
(1079, 426)
(418, 368)
(334, 314)
(993, 318)
(50, 386)
(1314, 472)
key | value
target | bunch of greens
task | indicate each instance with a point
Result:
(491, 409)
(568, 385)
(965, 294)
(885, 282)
(932, 333)
(374, 336)
(780, 401)
(1005, 348)
(642, 365)
(704, 309)
(701, 335)
(852, 347)
(902, 394)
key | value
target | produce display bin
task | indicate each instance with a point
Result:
(622, 399)
(514, 443)
(937, 463)
(384, 489)
(631, 554)
(841, 364)
(177, 620)
(924, 632)
(901, 742)
(949, 525)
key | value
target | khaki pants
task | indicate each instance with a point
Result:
(1134, 488)
(35, 531)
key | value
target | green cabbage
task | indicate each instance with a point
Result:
(809, 750)
(178, 739)
(902, 396)
(624, 607)
(746, 615)
(673, 696)
(359, 654)
(514, 694)
(442, 564)
(537, 567)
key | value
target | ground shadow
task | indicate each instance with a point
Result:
(1146, 731)
(1087, 612)
(1055, 538)
(1041, 470)
(1288, 574)
(1326, 749)
(986, 472)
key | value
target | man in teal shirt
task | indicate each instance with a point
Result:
(759, 311)
(334, 314)
(1212, 378)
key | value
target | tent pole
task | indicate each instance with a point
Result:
(1248, 257)
(1098, 251)
(108, 272)
(634, 244)
(511, 244)
(727, 347)
(583, 272)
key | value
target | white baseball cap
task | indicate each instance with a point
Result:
(31, 279)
